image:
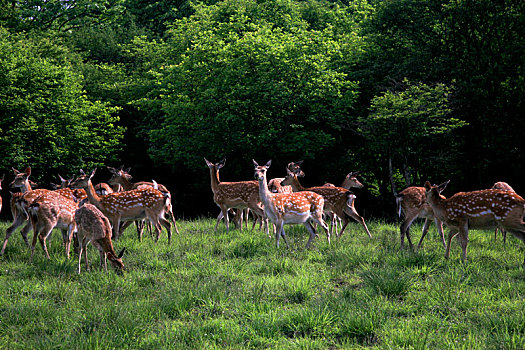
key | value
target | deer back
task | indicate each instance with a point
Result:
(132, 203)
(240, 192)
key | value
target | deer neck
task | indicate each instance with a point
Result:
(93, 197)
(438, 207)
(107, 246)
(126, 184)
(26, 187)
(214, 174)
(264, 192)
(296, 185)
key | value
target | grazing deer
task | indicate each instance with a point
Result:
(94, 227)
(482, 209)
(122, 178)
(505, 187)
(337, 200)
(19, 212)
(128, 205)
(48, 211)
(290, 208)
(239, 195)
(412, 202)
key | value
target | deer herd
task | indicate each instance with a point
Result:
(99, 213)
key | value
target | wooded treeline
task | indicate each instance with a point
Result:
(420, 89)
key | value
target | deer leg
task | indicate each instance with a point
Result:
(424, 233)
(219, 217)
(170, 214)
(451, 234)
(463, 240)
(353, 214)
(439, 226)
(311, 230)
(19, 220)
(80, 250)
(283, 235)
(33, 243)
(405, 231)
(504, 233)
(279, 227)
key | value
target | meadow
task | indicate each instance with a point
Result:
(211, 290)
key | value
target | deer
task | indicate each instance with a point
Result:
(478, 210)
(48, 211)
(338, 200)
(412, 203)
(505, 187)
(290, 208)
(94, 227)
(19, 212)
(122, 178)
(239, 195)
(127, 206)
(349, 182)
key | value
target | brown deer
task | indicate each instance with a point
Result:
(480, 210)
(338, 200)
(48, 211)
(290, 208)
(412, 202)
(349, 182)
(94, 227)
(239, 195)
(128, 205)
(122, 178)
(19, 212)
(505, 187)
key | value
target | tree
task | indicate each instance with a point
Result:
(407, 128)
(46, 121)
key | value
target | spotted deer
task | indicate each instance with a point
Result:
(505, 187)
(93, 227)
(127, 206)
(483, 209)
(290, 208)
(338, 200)
(18, 210)
(48, 211)
(121, 177)
(349, 182)
(239, 195)
(412, 203)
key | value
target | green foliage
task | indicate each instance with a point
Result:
(404, 125)
(239, 82)
(46, 120)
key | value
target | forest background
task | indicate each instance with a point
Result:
(402, 91)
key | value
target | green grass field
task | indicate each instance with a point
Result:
(236, 290)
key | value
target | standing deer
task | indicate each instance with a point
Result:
(122, 178)
(290, 208)
(48, 211)
(349, 182)
(412, 202)
(19, 212)
(239, 195)
(128, 205)
(94, 227)
(337, 200)
(481, 210)
(505, 187)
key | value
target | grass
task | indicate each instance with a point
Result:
(236, 290)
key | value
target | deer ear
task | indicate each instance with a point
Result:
(208, 163)
(268, 163)
(92, 173)
(255, 163)
(28, 171)
(441, 187)
(15, 171)
(111, 169)
(82, 172)
(121, 253)
(127, 170)
(428, 186)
